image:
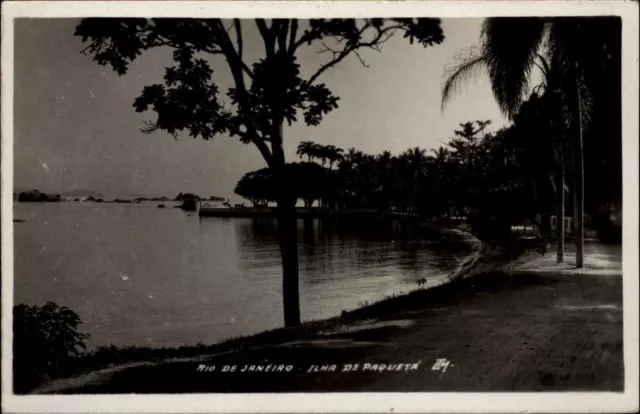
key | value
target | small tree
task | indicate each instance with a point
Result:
(45, 341)
(307, 181)
(334, 154)
(306, 148)
(255, 186)
(266, 93)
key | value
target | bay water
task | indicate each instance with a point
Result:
(142, 275)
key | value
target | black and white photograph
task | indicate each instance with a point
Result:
(223, 201)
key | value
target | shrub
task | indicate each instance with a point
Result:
(45, 342)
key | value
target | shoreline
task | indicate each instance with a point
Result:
(529, 325)
(481, 259)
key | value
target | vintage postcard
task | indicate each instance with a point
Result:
(234, 206)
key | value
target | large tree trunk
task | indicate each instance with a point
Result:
(288, 239)
(287, 233)
(578, 184)
(560, 207)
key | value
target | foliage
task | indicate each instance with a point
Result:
(491, 178)
(265, 94)
(255, 186)
(185, 196)
(45, 343)
(324, 153)
(509, 63)
(306, 181)
(576, 106)
(308, 149)
(577, 57)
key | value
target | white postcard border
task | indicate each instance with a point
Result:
(337, 402)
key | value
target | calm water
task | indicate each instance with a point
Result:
(141, 275)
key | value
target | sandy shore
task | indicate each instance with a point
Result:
(532, 326)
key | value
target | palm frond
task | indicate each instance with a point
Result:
(510, 49)
(544, 65)
(466, 65)
(572, 45)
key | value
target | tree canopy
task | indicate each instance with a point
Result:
(266, 93)
(306, 181)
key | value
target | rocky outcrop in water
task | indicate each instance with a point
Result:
(189, 202)
(35, 196)
(95, 200)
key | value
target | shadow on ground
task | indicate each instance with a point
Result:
(522, 331)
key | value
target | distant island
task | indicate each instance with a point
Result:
(152, 199)
(182, 196)
(81, 195)
(36, 196)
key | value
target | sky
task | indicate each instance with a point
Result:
(75, 127)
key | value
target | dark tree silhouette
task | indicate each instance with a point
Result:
(46, 340)
(266, 93)
(334, 154)
(416, 159)
(306, 148)
(569, 53)
(255, 186)
(307, 181)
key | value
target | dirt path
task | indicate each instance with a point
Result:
(526, 329)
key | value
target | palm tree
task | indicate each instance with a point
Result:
(306, 148)
(441, 155)
(510, 49)
(334, 154)
(554, 107)
(417, 158)
(354, 156)
(385, 174)
(359, 157)
(320, 152)
(384, 159)
(441, 175)
(416, 161)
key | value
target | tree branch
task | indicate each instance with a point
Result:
(338, 56)
(236, 67)
(292, 36)
(261, 144)
(265, 32)
(227, 47)
(382, 36)
(150, 127)
(362, 61)
(282, 31)
(236, 23)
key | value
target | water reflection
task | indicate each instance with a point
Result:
(141, 275)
